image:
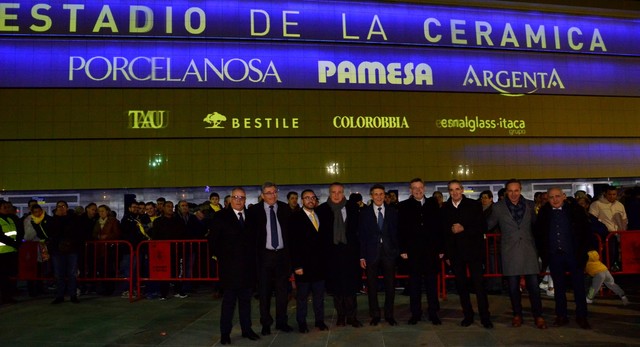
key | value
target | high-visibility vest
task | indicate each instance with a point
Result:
(9, 229)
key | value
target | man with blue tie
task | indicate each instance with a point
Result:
(234, 246)
(269, 220)
(378, 230)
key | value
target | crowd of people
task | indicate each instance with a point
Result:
(327, 246)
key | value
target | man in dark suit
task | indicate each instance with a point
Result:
(308, 257)
(464, 225)
(421, 243)
(562, 233)
(269, 220)
(339, 224)
(378, 230)
(234, 246)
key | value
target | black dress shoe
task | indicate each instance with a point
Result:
(466, 322)
(355, 323)
(284, 328)
(322, 326)
(391, 321)
(374, 321)
(340, 321)
(251, 335)
(435, 320)
(266, 330)
(413, 320)
(225, 340)
(583, 323)
(487, 324)
(560, 321)
(57, 301)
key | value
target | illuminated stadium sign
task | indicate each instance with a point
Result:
(355, 22)
(135, 64)
(300, 45)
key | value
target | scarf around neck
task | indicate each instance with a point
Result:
(339, 228)
(37, 220)
(517, 210)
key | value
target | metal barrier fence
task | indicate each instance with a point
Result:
(628, 243)
(175, 261)
(98, 261)
(493, 264)
(190, 260)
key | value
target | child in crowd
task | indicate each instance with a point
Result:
(596, 269)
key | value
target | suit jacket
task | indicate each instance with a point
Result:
(370, 233)
(235, 247)
(342, 261)
(168, 229)
(420, 234)
(517, 244)
(257, 221)
(308, 248)
(469, 244)
(194, 228)
(579, 228)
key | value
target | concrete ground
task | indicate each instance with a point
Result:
(194, 321)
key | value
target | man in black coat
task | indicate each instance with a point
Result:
(378, 231)
(421, 243)
(269, 221)
(308, 257)
(562, 231)
(339, 223)
(464, 225)
(169, 227)
(64, 246)
(234, 246)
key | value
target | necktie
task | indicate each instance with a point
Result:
(314, 221)
(274, 228)
(380, 218)
(241, 219)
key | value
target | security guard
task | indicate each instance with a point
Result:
(10, 239)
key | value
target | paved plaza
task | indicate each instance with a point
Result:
(194, 321)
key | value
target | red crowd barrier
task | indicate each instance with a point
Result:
(492, 264)
(29, 268)
(175, 261)
(98, 261)
(629, 252)
(107, 261)
(190, 260)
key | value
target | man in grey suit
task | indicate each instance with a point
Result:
(515, 216)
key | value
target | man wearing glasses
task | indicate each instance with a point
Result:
(269, 221)
(234, 246)
(308, 257)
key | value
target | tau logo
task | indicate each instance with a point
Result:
(156, 119)
(214, 119)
